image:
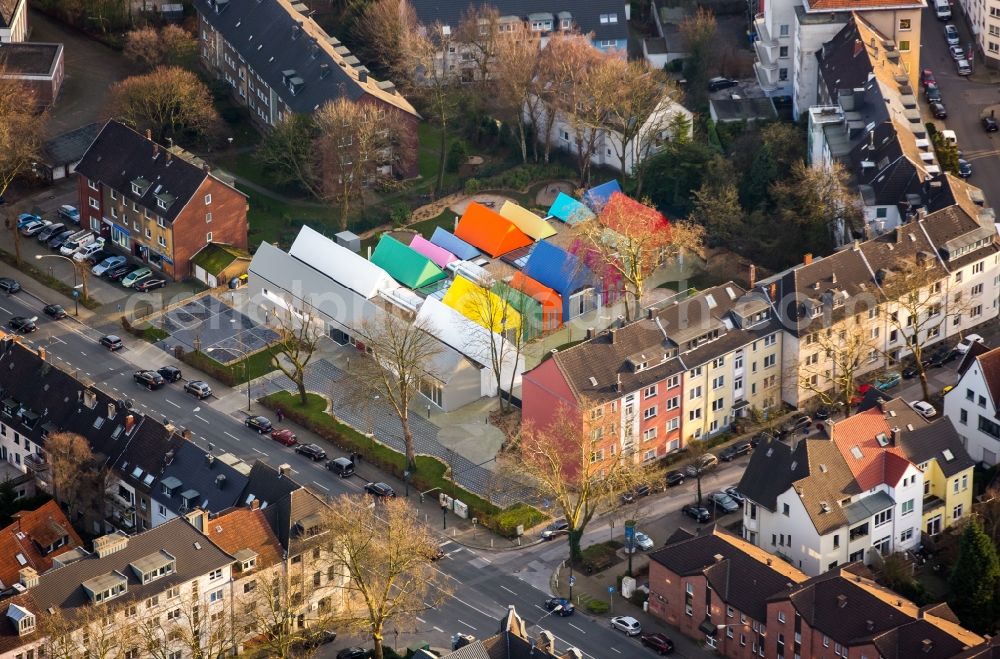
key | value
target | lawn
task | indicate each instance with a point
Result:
(235, 373)
(279, 222)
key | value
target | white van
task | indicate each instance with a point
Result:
(75, 242)
(949, 137)
(86, 252)
(942, 9)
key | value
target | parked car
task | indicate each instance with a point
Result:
(956, 52)
(8, 285)
(822, 413)
(259, 423)
(659, 643)
(353, 653)
(964, 67)
(380, 490)
(567, 606)
(760, 438)
(54, 311)
(284, 436)
(910, 372)
(990, 125)
(107, 264)
(635, 493)
(735, 494)
(22, 324)
(938, 109)
(170, 373)
(57, 241)
(675, 478)
(76, 243)
(311, 451)
(888, 380)
(87, 251)
(643, 541)
(720, 83)
(951, 35)
(800, 422)
(963, 346)
(118, 272)
(626, 624)
(964, 168)
(701, 465)
(67, 212)
(24, 219)
(927, 77)
(734, 451)
(558, 527)
(724, 502)
(149, 379)
(932, 92)
(343, 467)
(697, 513)
(34, 228)
(150, 284)
(136, 276)
(52, 229)
(112, 342)
(924, 408)
(97, 257)
(198, 388)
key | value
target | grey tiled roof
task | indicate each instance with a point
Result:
(191, 467)
(70, 147)
(931, 442)
(586, 15)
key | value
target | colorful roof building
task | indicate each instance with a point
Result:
(482, 306)
(449, 241)
(570, 210)
(439, 255)
(490, 232)
(529, 223)
(405, 265)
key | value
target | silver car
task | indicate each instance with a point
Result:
(725, 502)
(626, 624)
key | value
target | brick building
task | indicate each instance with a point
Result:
(153, 205)
(37, 65)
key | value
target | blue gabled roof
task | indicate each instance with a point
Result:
(558, 269)
(449, 241)
(569, 210)
(598, 195)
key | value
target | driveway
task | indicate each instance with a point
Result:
(90, 70)
(967, 99)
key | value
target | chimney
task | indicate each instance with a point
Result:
(255, 504)
(841, 601)
(362, 76)
(198, 518)
(29, 577)
(210, 459)
(621, 321)
(769, 561)
(187, 434)
(895, 435)
(111, 410)
(927, 645)
(773, 292)
(169, 157)
(109, 544)
(324, 71)
(284, 468)
(41, 354)
(858, 47)
(870, 624)
(833, 278)
(651, 313)
(206, 167)
(857, 245)
(807, 259)
(220, 481)
(618, 382)
(590, 333)
(546, 642)
(753, 275)
(611, 335)
(129, 423)
(571, 653)
(156, 150)
(718, 558)
(149, 134)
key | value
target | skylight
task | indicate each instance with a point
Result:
(856, 452)
(948, 455)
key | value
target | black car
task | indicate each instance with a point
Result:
(46, 234)
(57, 241)
(720, 83)
(54, 311)
(941, 356)
(635, 493)
(738, 449)
(938, 110)
(170, 373)
(149, 379)
(567, 606)
(933, 93)
(8, 285)
(311, 451)
(910, 372)
(675, 478)
(319, 637)
(118, 272)
(380, 490)
(697, 513)
(111, 342)
(150, 284)
(735, 494)
(822, 413)
(990, 125)
(353, 653)
(259, 423)
(964, 168)
(98, 256)
(22, 324)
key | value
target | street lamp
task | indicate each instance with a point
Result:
(556, 609)
(444, 515)
(246, 365)
(76, 284)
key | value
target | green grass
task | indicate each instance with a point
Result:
(279, 222)
(428, 155)
(154, 334)
(215, 257)
(235, 373)
(430, 472)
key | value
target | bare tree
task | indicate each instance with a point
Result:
(388, 556)
(402, 357)
(637, 110)
(76, 473)
(816, 204)
(288, 152)
(356, 141)
(478, 36)
(169, 100)
(20, 134)
(171, 45)
(831, 362)
(192, 626)
(562, 461)
(297, 341)
(100, 631)
(516, 100)
(384, 28)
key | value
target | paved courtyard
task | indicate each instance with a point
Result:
(217, 327)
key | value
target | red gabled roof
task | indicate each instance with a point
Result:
(490, 232)
(622, 213)
(990, 364)
(28, 535)
(876, 464)
(245, 528)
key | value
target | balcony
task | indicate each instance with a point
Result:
(932, 503)
(767, 79)
(766, 56)
(763, 35)
(36, 464)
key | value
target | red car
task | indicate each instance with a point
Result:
(927, 78)
(658, 642)
(284, 436)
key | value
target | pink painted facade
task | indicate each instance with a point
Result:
(544, 392)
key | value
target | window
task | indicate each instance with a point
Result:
(963, 417)
(649, 434)
(174, 614)
(649, 413)
(215, 595)
(904, 24)
(969, 395)
(160, 223)
(149, 234)
(989, 427)
(883, 517)
(674, 403)
(208, 237)
(161, 241)
(695, 372)
(977, 268)
(718, 404)
(781, 617)
(673, 382)
(783, 51)
(976, 311)
(718, 382)
(93, 203)
(956, 512)
(785, 510)
(906, 535)
(609, 19)
(965, 482)
(695, 393)
(994, 30)
(993, 47)
(907, 507)
(673, 424)
(770, 361)
(694, 414)
(215, 574)
(782, 74)
(208, 199)
(208, 218)
(783, 31)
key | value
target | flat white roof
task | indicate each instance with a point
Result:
(340, 264)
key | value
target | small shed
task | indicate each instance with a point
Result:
(61, 154)
(350, 240)
(216, 264)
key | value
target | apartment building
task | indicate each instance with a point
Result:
(684, 371)
(745, 603)
(278, 60)
(35, 539)
(974, 404)
(790, 33)
(859, 492)
(984, 20)
(156, 207)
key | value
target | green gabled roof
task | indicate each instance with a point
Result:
(216, 257)
(404, 264)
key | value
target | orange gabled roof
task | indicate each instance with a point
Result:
(490, 232)
(857, 435)
(245, 528)
(33, 529)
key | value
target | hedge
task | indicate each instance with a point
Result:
(430, 472)
(232, 374)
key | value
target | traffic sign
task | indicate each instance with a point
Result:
(572, 581)
(611, 589)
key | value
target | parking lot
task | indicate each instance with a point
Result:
(211, 324)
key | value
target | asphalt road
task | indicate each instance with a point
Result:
(967, 101)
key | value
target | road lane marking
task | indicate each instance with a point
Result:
(576, 628)
(508, 590)
(56, 338)
(438, 630)
(259, 451)
(172, 403)
(420, 620)
(201, 418)
(228, 435)
(462, 622)
(322, 486)
(540, 608)
(5, 311)
(83, 353)
(617, 650)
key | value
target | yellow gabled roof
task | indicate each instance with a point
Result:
(482, 306)
(526, 221)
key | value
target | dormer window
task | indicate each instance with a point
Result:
(106, 587)
(135, 189)
(154, 566)
(22, 618)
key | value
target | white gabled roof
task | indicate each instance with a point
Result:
(341, 264)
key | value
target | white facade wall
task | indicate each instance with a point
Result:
(964, 405)
(775, 29)
(983, 18)
(808, 40)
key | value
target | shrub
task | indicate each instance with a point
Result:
(597, 607)
(457, 155)
(400, 214)
(506, 522)
(473, 185)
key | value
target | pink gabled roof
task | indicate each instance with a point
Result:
(876, 464)
(439, 255)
